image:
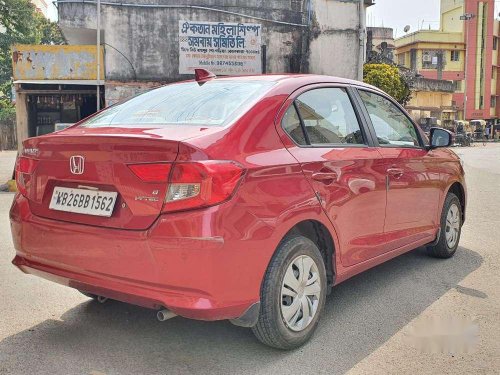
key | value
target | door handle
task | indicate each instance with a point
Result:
(325, 177)
(396, 172)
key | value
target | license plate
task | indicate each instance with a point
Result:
(82, 201)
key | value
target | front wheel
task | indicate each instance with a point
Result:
(451, 228)
(293, 294)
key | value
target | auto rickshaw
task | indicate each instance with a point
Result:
(426, 123)
(479, 127)
(462, 136)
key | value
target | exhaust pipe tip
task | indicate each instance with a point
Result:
(163, 315)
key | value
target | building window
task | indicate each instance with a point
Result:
(433, 59)
(495, 43)
(455, 55)
(458, 85)
(401, 59)
(493, 102)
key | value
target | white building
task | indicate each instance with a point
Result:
(42, 6)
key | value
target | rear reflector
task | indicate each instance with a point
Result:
(157, 172)
(201, 184)
(24, 168)
(26, 165)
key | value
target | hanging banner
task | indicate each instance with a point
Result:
(224, 48)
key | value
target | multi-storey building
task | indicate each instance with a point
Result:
(42, 6)
(463, 50)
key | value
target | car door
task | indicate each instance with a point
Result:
(345, 171)
(413, 178)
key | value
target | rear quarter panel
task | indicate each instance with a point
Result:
(274, 195)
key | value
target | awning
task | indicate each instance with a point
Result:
(89, 82)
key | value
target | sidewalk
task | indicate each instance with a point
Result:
(7, 162)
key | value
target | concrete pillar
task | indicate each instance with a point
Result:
(21, 119)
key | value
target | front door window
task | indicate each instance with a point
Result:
(392, 126)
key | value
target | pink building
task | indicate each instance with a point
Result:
(467, 40)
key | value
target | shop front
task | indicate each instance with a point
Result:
(55, 87)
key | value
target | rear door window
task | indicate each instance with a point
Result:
(291, 124)
(328, 118)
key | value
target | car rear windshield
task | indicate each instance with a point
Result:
(213, 103)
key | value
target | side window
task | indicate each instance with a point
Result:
(392, 126)
(291, 124)
(328, 117)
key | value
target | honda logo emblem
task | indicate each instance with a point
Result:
(77, 164)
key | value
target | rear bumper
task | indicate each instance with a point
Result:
(181, 263)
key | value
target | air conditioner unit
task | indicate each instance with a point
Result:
(427, 58)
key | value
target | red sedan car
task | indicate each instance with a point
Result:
(242, 198)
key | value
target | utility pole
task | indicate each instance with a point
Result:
(466, 17)
(98, 55)
(362, 38)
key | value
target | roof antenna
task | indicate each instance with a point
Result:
(203, 75)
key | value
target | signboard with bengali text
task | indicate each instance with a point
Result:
(224, 48)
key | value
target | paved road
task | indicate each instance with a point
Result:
(48, 329)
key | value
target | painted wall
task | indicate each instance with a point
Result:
(451, 10)
(338, 44)
(142, 43)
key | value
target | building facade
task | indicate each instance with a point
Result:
(381, 41)
(146, 44)
(467, 42)
(143, 41)
(432, 98)
(54, 85)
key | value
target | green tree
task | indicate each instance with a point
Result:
(22, 24)
(47, 32)
(389, 79)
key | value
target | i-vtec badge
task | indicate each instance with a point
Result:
(147, 199)
(77, 164)
(31, 151)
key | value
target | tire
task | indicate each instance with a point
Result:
(450, 232)
(272, 328)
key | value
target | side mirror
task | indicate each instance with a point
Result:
(440, 138)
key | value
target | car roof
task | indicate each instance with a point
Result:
(283, 77)
(300, 79)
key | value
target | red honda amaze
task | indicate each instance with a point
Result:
(241, 198)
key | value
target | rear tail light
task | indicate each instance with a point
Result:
(157, 172)
(192, 184)
(24, 169)
(201, 184)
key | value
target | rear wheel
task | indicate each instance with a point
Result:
(293, 295)
(451, 228)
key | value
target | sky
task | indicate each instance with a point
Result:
(419, 14)
(52, 12)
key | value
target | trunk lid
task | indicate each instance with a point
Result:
(107, 154)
